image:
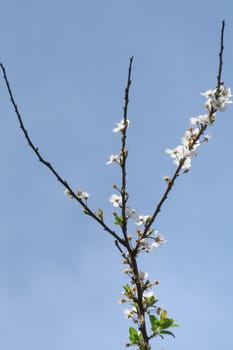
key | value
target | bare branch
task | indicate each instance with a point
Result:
(124, 152)
(220, 56)
(35, 149)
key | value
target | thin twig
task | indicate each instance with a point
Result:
(220, 56)
(124, 153)
(35, 149)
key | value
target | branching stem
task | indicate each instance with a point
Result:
(123, 243)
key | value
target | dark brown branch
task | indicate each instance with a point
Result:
(133, 260)
(35, 149)
(220, 56)
(124, 195)
(124, 153)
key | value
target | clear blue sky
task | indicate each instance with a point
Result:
(60, 274)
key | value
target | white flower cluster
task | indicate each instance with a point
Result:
(129, 292)
(217, 99)
(149, 298)
(143, 243)
(184, 152)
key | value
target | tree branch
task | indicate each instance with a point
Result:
(124, 153)
(220, 56)
(35, 149)
(202, 130)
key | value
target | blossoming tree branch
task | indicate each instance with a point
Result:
(149, 319)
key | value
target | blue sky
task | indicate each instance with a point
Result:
(67, 62)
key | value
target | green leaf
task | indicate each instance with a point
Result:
(158, 326)
(127, 288)
(154, 321)
(150, 301)
(118, 220)
(133, 335)
(169, 333)
(166, 322)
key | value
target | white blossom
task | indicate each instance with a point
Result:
(186, 150)
(130, 313)
(148, 294)
(206, 119)
(68, 193)
(143, 275)
(207, 93)
(187, 164)
(83, 195)
(217, 99)
(145, 245)
(113, 158)
(221, 103)
(179, 153)
(142, 219)
(158, 240)
(127, 313)
(121, 126)
(201, 119)
(115, 200)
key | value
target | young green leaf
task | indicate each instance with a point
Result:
(127, 288)
(169, 333)
(133, 335)
(154, 321)
(118, 220)
(150, 301)
(166, 322)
